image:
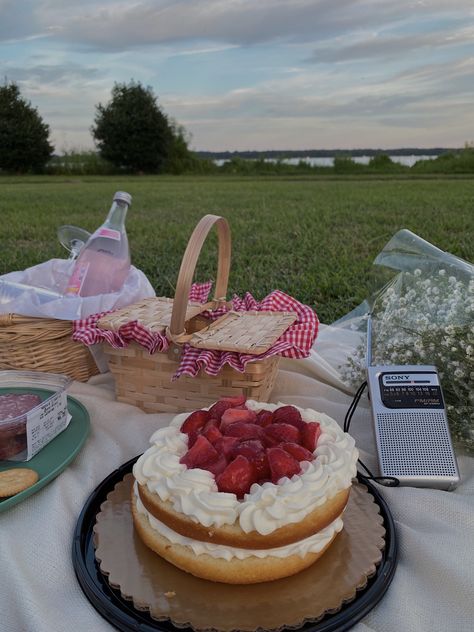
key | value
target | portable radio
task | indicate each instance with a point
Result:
(411, 427)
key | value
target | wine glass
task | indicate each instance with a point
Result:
(73, 239)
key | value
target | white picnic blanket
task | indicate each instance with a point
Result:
(433, 586)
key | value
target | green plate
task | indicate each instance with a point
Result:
(55, 456)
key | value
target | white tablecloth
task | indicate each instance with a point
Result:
(433, 586)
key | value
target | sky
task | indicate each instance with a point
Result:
(252, 74)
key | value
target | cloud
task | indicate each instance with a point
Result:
(420, 96)
(118, 24)
(241, 22)
(113, 25)
(52, 74)
(381, 45)
(402, 64)
(12, 20)
(256, 133)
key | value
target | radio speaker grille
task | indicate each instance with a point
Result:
(415, 444)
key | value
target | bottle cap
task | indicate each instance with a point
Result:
(124, 197)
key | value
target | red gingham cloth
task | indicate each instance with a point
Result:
(86, 330)
(295, 342)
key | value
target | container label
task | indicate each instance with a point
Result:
(46, 421)
(77, 278)
(108, 232)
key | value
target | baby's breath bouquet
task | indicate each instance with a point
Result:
(425, 315)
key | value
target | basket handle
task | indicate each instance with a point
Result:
(188, 266)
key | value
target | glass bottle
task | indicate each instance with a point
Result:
(104, 262)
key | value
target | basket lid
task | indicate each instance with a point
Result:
(153, 313)
(244, 332)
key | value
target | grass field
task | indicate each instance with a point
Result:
(311, 237)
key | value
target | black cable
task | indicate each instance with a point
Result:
(352, 408)
(387, 481)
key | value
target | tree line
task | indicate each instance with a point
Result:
(132, 133)
(282, 154)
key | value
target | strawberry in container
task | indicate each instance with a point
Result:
(33, 410)
(13, 409)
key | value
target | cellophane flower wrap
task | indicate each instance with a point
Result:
(424, 314)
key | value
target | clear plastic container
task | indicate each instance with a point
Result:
(42, 400)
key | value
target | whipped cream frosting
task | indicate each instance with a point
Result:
(266, 507)
(313, 544)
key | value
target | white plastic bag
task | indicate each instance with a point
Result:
(51, 275)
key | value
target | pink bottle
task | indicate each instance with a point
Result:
(104, 262)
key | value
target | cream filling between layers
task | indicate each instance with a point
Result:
(313, 544)
(267, 507)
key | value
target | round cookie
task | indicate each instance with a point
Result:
(16, 480)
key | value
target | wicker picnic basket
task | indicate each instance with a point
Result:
(145, 380)
(43, 344)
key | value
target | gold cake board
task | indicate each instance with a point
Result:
(151, 584)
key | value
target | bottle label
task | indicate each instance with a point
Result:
(77, 278)
(108, 232)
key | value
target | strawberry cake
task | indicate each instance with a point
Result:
(244, 492)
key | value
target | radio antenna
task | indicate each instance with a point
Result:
(368, 350)
(371, 308)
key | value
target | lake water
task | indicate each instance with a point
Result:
(408, 161)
